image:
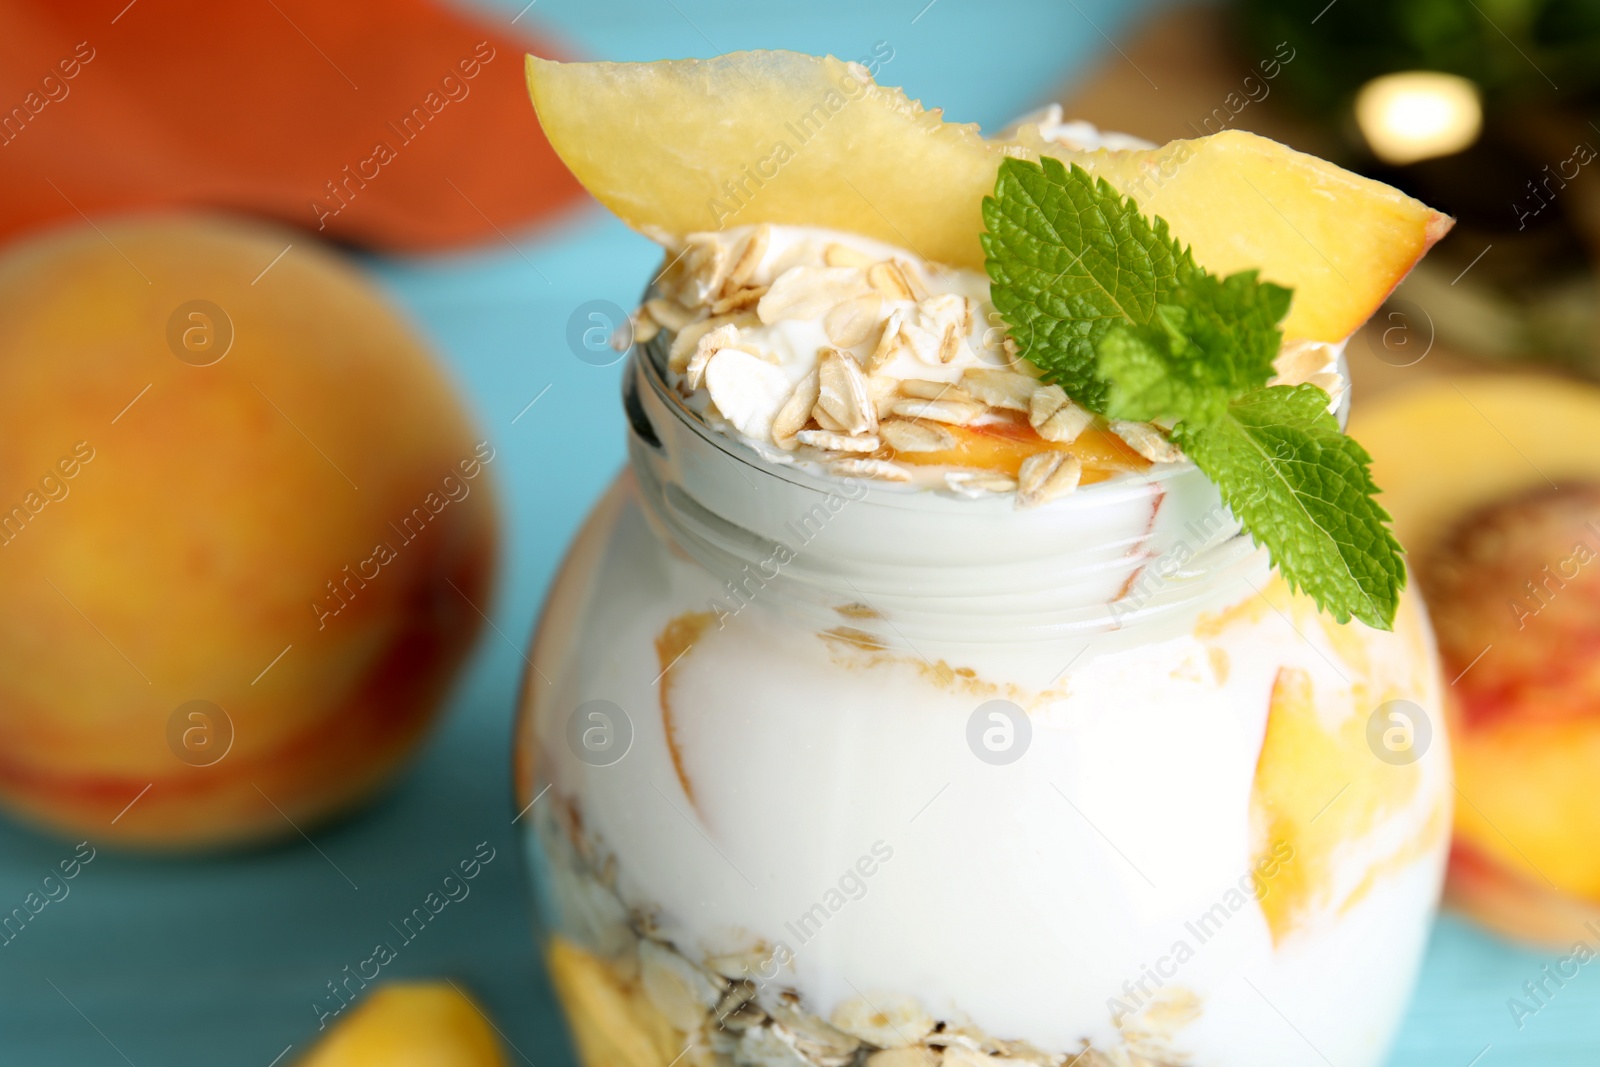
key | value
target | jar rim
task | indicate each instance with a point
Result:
(651, 357)
(1113, 555)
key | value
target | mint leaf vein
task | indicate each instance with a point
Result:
(1069, 258)
(1303, 490)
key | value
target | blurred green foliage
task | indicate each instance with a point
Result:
(1516, 50)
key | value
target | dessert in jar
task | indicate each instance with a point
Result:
(896, 707)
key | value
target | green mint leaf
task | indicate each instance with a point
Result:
(1070, 258)
(1117, 312)
(1216, 341)
(1303, 489)
(1154, 369)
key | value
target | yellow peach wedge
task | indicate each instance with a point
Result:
(613, 1021)
(690, 145)
(411, 1024)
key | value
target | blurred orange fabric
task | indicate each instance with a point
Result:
(399, 125)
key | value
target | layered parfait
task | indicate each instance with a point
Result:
(996, 653)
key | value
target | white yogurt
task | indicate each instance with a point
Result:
(1025, 897)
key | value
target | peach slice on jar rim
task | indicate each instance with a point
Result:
(677, 147)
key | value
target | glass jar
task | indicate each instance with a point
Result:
(825, 771)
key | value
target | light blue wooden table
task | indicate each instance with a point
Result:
(219, 961)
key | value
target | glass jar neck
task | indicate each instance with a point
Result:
(1117, 555)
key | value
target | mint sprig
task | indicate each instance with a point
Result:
(1118, 313)
(1070, 260)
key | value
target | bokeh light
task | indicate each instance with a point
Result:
(1417, 115)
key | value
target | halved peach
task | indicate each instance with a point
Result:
(1494, 484)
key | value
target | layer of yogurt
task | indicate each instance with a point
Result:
(1023, 899)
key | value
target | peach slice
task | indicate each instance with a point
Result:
(1002, 446)
(681, 146)
(1242, 202)
(613, 1021)
(411, 1024)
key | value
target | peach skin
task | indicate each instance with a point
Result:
(246, 533)
(1495, 490)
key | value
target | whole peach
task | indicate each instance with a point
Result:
(246, 531)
